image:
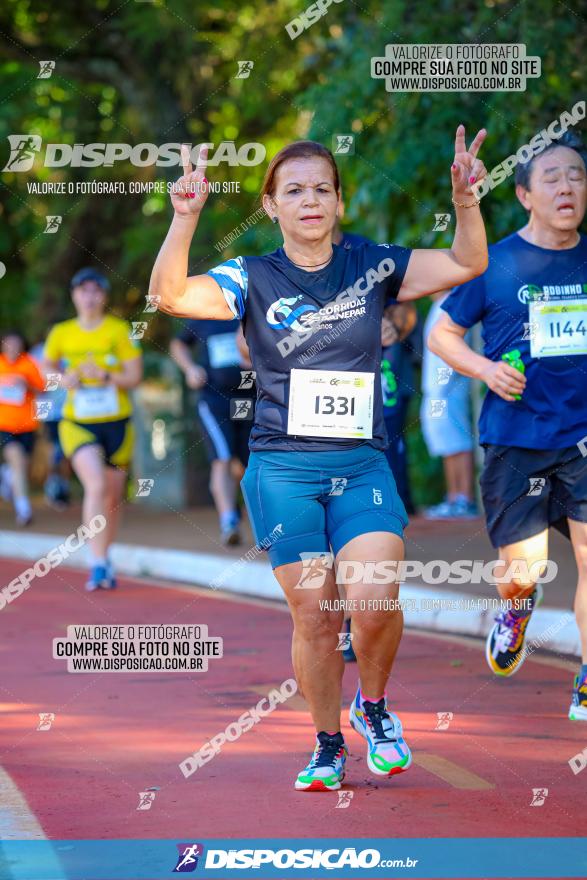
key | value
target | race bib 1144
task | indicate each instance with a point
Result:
(558, 328)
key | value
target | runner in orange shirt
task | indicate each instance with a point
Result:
(19, 379)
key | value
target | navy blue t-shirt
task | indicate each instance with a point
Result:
(218, 353)
(352, 240)
(290, 319)
(552, 413)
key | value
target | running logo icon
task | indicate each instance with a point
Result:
(46, 719)
(343, 144)
(530, 330)
(152, 301)
(444, 719)
(437, 408)
(314, 570)
(46, 69)
(144, 488)
(23, 149)
(338, 485)
(42, 409)
(441, 222)
(537, 484)
(146, 800)
(53, 381)
(189, 854)
(244, 69)
(539, 795)
(241, 409)
(247, 380)
(344, 641)
(138, 329)
(443, 375)
(53, 223)
(344, 800)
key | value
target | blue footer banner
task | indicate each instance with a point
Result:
(531, 857)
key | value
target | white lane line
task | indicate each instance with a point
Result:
(18, 822)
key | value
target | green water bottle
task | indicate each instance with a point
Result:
(514, 359)
(389, 384)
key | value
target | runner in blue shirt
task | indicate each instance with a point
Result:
(225, 408)
(318, 488)
(532, 303)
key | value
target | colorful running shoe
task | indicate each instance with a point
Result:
(578, 710)
(98, 578)
(325, 772)
(388, 752)
(504, 648)
(348, 653)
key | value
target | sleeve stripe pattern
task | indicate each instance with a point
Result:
(233, 280)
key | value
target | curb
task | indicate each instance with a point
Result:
(554, 628)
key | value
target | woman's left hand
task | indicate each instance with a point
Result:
(466, 169)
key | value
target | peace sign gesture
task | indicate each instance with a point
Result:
(190, 192)
(466, 169)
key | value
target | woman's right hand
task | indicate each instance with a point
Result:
(190, 192)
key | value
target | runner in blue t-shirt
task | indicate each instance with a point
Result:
(532, 302)
(318, 488)
(225, 408)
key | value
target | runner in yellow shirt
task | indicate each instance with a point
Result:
(102, 364)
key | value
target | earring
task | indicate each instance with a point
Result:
(274, 219)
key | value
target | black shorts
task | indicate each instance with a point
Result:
(225, 436)
(556, 480)
(26, 439)
(115, 438)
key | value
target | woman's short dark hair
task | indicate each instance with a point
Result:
(569, 139)
(298, 150)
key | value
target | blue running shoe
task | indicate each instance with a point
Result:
(325, 772)
(578, 710)
(388, 752)
(111, 584)
(98, 578)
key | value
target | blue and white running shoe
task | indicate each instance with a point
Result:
(98, 578)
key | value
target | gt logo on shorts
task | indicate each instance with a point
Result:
(377, 497)
(289, 319)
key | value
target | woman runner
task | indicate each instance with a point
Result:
(317, 485)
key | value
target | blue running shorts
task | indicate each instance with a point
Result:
(314, 502)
